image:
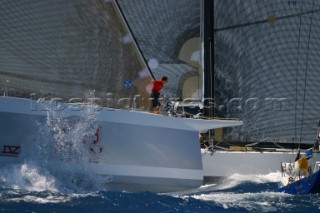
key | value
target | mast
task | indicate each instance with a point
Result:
(208, 48)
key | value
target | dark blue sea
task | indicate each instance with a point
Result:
(26, 187)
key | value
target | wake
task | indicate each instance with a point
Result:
(238, 179)
(256, 193)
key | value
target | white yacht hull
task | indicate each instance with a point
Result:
(135, 150)
(220, 164)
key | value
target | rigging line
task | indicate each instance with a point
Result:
(212, 86)
(264, 21)
(305, 79)
(297, 70)
(124, 18)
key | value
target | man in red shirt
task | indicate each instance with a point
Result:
(155, 94)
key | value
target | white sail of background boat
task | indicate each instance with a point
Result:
(70, 74)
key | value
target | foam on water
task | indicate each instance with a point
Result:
(257, 202)
(232, 182)
(28, 177)
(237, 179)
(256, 193)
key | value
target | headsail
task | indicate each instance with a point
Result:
(66, 48)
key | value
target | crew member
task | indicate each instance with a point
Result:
(155, 94)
